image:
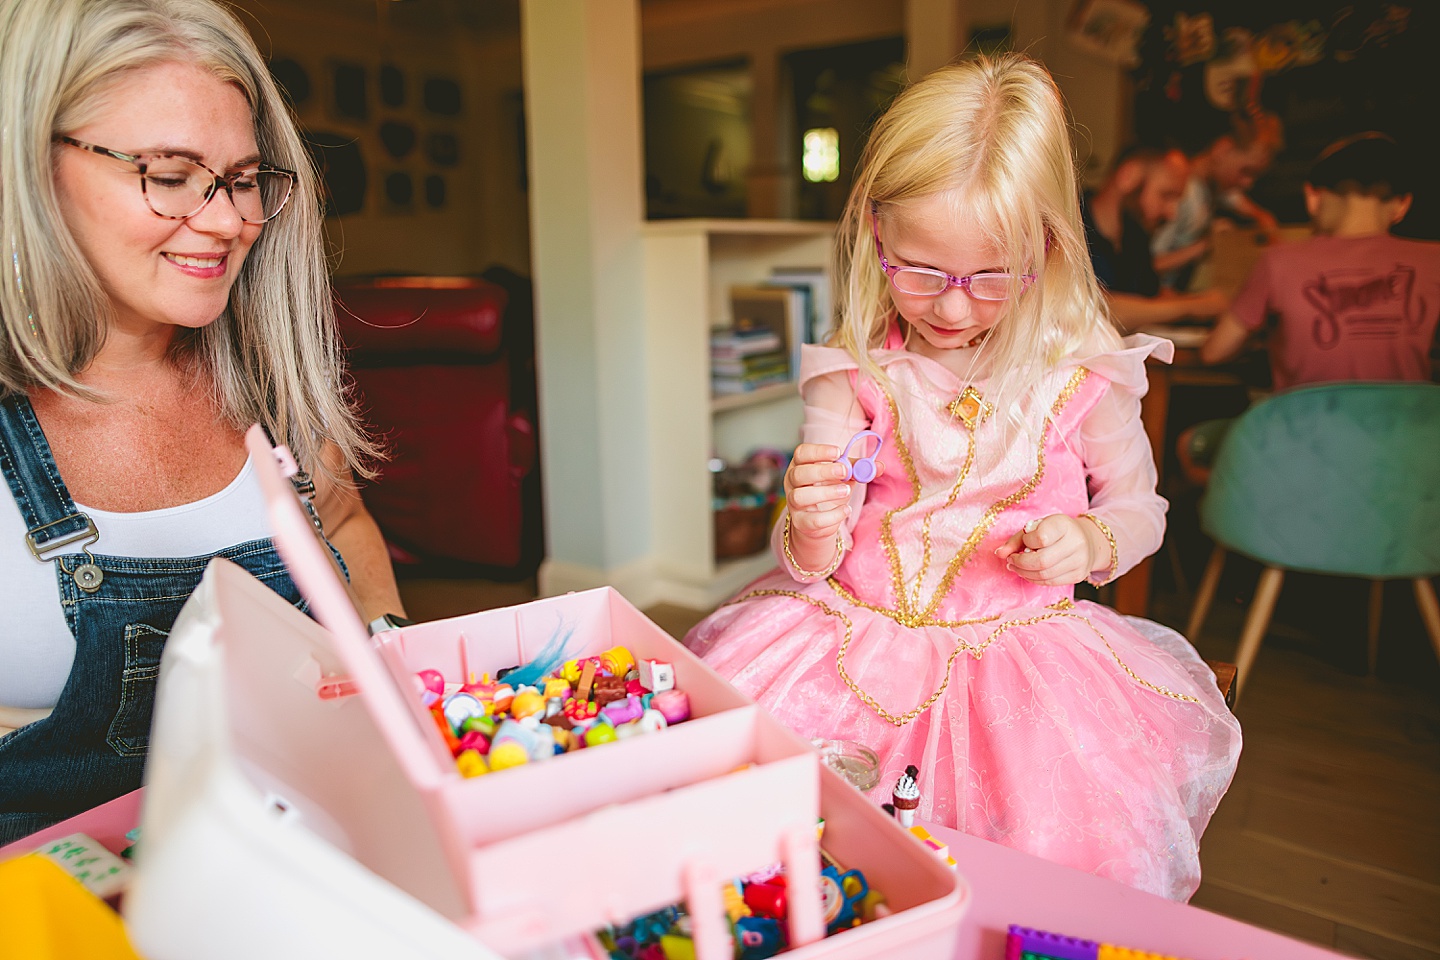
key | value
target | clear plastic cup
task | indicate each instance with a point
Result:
(855, 762)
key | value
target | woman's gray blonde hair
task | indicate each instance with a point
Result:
(991, 136)
(273, 355)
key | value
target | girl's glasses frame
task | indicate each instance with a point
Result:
(1002, 283)
(142, 163)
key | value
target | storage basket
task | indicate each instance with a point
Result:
(741, 531)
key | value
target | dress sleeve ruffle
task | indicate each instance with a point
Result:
(1125, 368)
(1116, 451)
(816, 361)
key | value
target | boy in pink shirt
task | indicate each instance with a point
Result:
(1354, 302)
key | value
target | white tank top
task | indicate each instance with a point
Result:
(36, 647)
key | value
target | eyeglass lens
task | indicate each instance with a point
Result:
(176, 187)
(981, 286)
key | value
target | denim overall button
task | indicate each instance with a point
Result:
(88, 577)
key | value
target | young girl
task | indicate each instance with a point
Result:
(929, 613)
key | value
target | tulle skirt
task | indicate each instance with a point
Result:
(1094, 740)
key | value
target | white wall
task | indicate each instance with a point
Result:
(582, 92)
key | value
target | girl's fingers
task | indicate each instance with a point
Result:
(814, 453)
(1058, 564)
(802, 475)
(819, 497)
(1010, 546)
(819, 524)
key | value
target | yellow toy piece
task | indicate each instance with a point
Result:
(1107, 952)
(735, 906)
(46, 915)
(472, 764)
(618, 660)
(941, 850)
(676, 947)
(507, 754)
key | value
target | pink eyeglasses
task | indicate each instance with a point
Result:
(925, 282)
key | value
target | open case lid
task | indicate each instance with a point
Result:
(403, 722)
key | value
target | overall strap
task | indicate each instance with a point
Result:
(29, 467)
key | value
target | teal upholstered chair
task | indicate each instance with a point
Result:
(1339, 479)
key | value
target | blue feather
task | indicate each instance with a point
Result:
(546, 662)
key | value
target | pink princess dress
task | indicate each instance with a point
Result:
(1057, 727)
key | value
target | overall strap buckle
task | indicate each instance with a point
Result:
(44, 552)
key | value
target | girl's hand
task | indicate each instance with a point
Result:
(1062, 550)
(816, 493)
(818, 499)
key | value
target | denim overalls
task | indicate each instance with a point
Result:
(92, 747)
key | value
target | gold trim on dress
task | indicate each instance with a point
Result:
(967, 549)
(977, 651)
(906, 614)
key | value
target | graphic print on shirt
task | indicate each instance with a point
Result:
(1364, 305)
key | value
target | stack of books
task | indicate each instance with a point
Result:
(747, 358)
(817, 319)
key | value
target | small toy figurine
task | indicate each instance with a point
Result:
(907, 796)
(527, 702)
(623, 710)
(656, 675)
(461, 706)
(734, 896)
(617, 661)
(501, 698)
(432, 686)
(608, 690)
(766, 900)
(840, 894)
(757, 938)
(471, 764)
(674, 705)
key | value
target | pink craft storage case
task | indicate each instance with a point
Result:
(529, 856)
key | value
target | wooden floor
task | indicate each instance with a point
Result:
(1331, 829)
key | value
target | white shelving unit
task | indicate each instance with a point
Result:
(690, 266)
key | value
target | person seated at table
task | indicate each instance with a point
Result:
(165, 287)
(1353, 302)
(1220, 174)
(1140, 194)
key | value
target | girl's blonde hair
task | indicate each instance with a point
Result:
(273, 355)
(992, 137)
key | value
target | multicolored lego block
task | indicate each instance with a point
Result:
(1023, 943)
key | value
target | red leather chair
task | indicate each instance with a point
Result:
(443, 382)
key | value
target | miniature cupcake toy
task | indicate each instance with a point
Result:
(907, 796)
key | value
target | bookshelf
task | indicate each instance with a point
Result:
(690, 266)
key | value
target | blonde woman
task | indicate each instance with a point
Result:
(930, 612)
(163, 288)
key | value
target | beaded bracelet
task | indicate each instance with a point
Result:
(807, 574)
(1114, 551)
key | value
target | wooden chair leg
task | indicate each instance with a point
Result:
(1177, 569)
(1205, 593)
(1372, 636)
(1266, 592)
(1429, 610)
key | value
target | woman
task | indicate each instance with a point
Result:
(166, 287)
